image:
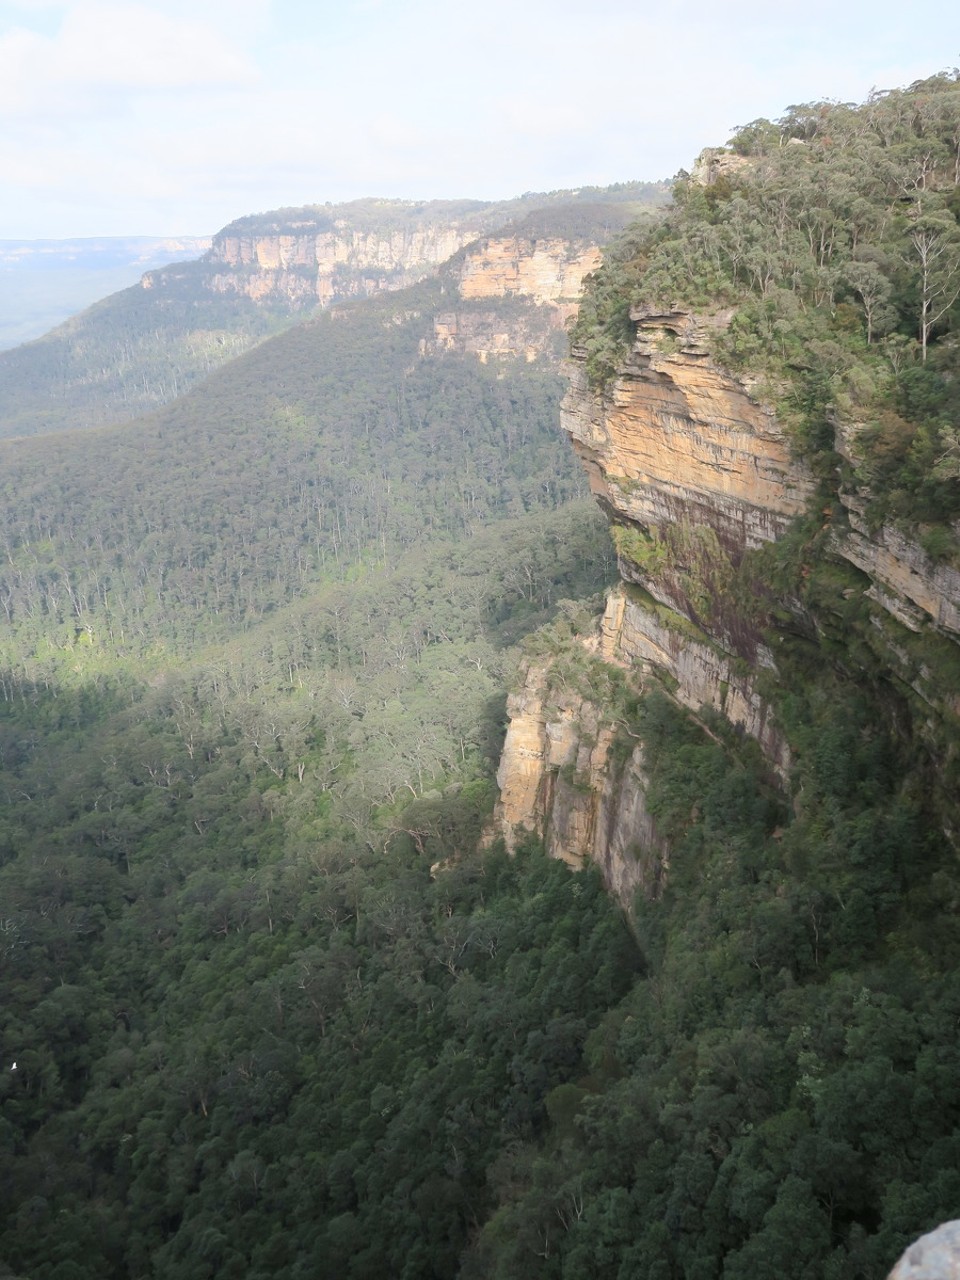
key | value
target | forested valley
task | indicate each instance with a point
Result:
(145, 346)
(254, 659)
(274, 999)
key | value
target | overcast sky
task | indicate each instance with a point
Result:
(174, 116)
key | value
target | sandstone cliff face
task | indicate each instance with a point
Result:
(539, 283)
(698, 473)
(679, 439)
(322, 267)
(527, 335)
(645, 639)
(545, 271)
(300, 270)
(906, 582)
(561, 777)
(561, 774)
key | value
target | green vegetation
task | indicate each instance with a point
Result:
(777, 1095)
(768, 1099)
(833, 236)
(251, 691)
(271, 1006)
(288, 1060)
(135, 350)
(331, 450)
(369, 215)
(144, 347)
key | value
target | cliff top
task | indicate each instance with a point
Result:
(381, 214)
(838, 262)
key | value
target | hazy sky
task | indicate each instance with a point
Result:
(175, 116)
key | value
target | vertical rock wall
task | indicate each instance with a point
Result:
(696, 473)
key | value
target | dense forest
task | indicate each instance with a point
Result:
(275, 1001)
(483, 216)
(255, 649)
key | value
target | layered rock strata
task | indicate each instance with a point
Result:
(697, 472)
(311, 267)
(678, 439)
(488, 335)
(545, 271)
(317, 268)
(561, 777)
(538, 281)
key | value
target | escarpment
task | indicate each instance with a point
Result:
(705, 495)
(316, 268)
(511, 294)
(310, 260)
(515, 296)
(503, 282)
(677, 439)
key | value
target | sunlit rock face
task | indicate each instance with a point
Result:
(677, 438)
(688, 462)
(546, 271)
(314, 268)
(561, 777)
(321, 267)
(675, 441)
(544, 276)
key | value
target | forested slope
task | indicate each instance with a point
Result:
(777, 1095)
(332, 448)
(255, 646)
(273, 1009)
(144, 346)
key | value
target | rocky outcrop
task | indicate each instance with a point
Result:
(676, 443)
(487, 334)
(678, 439)
(311, 268)
(544, 270)
(714, 163)
(537, 284)
(906, 582)
(695, 473)
(564, 775)
(576, 776)
(935, 1256)
(636, 634)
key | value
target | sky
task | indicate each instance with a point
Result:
(173, 117)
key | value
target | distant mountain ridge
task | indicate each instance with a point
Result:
(44, 282)
(142, 347)
(101, 251)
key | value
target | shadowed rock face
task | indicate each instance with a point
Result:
(933, 1257)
